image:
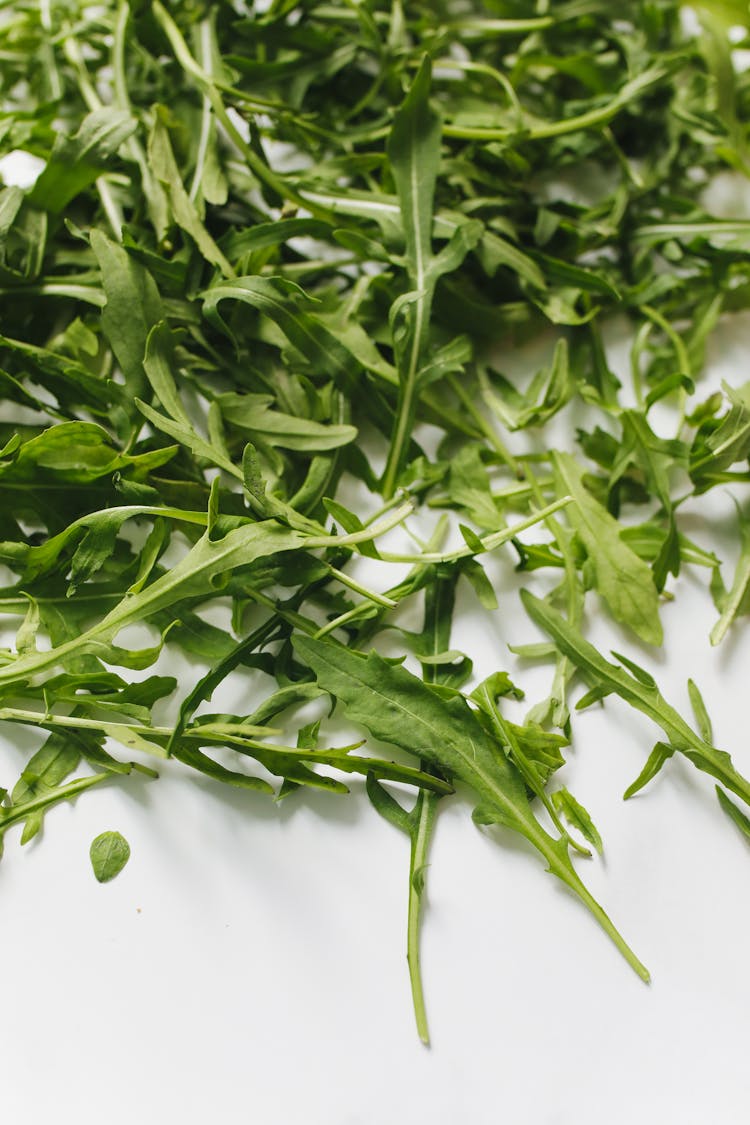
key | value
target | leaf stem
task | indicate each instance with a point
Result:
(14, 813)
(425, 811)
(489, 542)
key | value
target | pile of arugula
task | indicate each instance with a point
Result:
(269, 249)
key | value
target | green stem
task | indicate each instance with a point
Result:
(547, 130)
(489, 542)
(372, 531)
(346, 580)
(420, 842)
(16, 813)
(407, 395)
(564, 668)
(560, 865)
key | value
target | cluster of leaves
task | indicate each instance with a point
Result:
(268, 249)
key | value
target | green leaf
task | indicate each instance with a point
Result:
(736, 600)
(414, 155)
(75, 162)
(607, 678)
(287, 305)
(254, 414)
(656, 457)
(397, 708)
(27, 633)
(726, 444)
(622, 579)
(157, 364)
(164, 167)
(132, 308)
(387, 806)
(193, 576)
(550, 389)
(735, 814)
(577, 816)
(700, 712)
(109, 853)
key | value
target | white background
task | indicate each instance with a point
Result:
(248, 964)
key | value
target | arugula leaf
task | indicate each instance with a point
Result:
(620, 577)
(109, 853)
(639, 690)
(75, 162)
(734, 602)
(397, 708)
(271, 270)
(132, 308)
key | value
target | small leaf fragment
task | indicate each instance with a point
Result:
(109, 853)
(735, 814)
(577, 816)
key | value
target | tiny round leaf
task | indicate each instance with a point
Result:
(109, 853)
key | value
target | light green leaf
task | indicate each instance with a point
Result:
(622, 579)
(736, 600)
(414, 155)
(735, 814)
(109, 853)
(606, 678)
(254, 413)
(27, 633)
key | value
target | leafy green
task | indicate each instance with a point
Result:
(638, 688)
(109, 853)
(295, 285)
(619, 576)
(397, 708)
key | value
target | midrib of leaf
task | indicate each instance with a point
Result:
(418, 252)
(419, 277)
(205, 133)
